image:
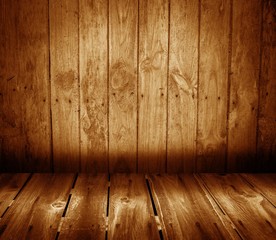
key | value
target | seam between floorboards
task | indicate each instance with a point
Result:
(221, 213)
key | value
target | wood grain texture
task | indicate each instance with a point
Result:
(152, 92)
(182, 92)
(130, 210)
(123, 23)
(85, 216)
(265, 184)
(11, 129)
(33, 75)
(93, 79)
(37, 211)
(64, 84)
(244, 85)
(10, 185)
(213, 85)
(267, 99)
(252, 214)
(185, 210)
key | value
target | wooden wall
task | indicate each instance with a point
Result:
(138, 85)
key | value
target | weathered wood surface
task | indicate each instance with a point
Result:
(182, 83)
(130, 211)
(264, 183)
(12, 139)
(267, 98)
(152, 93)
(93, 26)
(33, 75)
(143, 86)
(252, 214)
(245, 65)
(123, 24)
(10, 185)
(65, 84)
(37, 211)
(185, 210)
(213, 85)
(86, 214)
(25, 128)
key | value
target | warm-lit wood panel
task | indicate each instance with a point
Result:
(85, 216)
(152, 92)
(130, 210)
(265, 184)
(267, 97)
(123, 23)
(213, 85)
(36, 213)
(252, 214)
(243, 102)
(137, 85)
(10, 185)
(12, 139)
(176, 197)
(182, 92)
(65, 83)
(93, 26)
(33, 52)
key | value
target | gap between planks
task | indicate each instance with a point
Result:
(20, 190)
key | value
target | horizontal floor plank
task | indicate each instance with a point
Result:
(265, 183)
(37, 211)
(131, 215)
(86, 214)
(185, 210)
(252, 214)
(10, 185)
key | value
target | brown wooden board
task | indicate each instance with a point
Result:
(10, 185)
(267, 99)
(182, 91)
(123, 23)
(64, 84)
(93, 80)
(37, 211)
(130, 210)
(11, 130)
(33, 54)
(245, 65)
(213, 85)
(86, 214)
(185, 210)
(152, 90)
(252, 214)
(264, 183)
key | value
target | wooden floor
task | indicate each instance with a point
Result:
(121, 206)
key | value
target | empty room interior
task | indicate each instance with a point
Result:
(137, 119)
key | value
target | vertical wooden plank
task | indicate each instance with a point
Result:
(93, 78)
(37, 211)
(85, 217)
(33, 53)
(152, 91)
(244, 85)
(11, 130)
(10, 185)
(213, 85)
(64, 84)
(267, 103)
(130, 215)
(182, 92)
(123, 20)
